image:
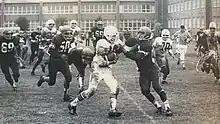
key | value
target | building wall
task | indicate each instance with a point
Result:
(130, 14)
(192, 13)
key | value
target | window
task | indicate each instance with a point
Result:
(198, 23)
(193, 4)
(185, 5)
(198, 3)
(133, 25)
(189, 5)
(202, 3)
(33, 25)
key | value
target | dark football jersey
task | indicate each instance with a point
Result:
(97, 33)
(61, 46)
(8, 47)
(34, 34)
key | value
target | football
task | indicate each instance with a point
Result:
(111, 56)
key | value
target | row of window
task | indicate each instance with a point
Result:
(133, 25)
(186, 5)
(68, 9)
(107, 8)
(32, 24)
(60, 9)
(188, 22)
(86, 25)
(132, 8)
(11, 10)
(216, 3)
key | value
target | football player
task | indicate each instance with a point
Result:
(144, 55)
(97, 32)
(211, 56)
(47, 34)
(9, 58)
(201, 42)
(102, 62)
(161, 45)
(80, 57)
(76, 32)
(58, 61)
(183, 38)
(35, 37)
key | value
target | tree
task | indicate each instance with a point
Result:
(22, 22)
(60, 21)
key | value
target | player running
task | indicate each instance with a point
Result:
(9, 58)
(162, 45)
(102, 62)
(58, 60)
(144, 55)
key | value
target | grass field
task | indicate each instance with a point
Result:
(194, 98)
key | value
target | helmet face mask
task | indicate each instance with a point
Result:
(67, 35)
(212, 27)
(7, 35)
(73, 23)
(50, 24)
(144, 33)
(165, 34)
(99, 24)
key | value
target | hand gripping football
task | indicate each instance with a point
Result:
(111, 56)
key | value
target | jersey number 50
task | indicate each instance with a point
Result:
(7, 47)
(64, 47)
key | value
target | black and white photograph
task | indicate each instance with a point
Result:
(110, 61)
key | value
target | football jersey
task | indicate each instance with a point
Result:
(97, 33)
(8, 47)
(47, 33)
(182, 37)
(61, 46)
(161, 46)
(35, 34)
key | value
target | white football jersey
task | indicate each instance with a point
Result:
(162, 46)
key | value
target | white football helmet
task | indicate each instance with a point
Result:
(111, 33)
(50, 23)
(102, 47)
(212, 25)
(165, 33)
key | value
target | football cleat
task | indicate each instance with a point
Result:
(41, 80)
(168, 112)
(114, 113)
(72, 109)
(66, 97)
(43, 67)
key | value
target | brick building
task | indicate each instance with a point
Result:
(192, 13)
(125, 14)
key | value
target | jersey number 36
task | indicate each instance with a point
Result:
(7, 47)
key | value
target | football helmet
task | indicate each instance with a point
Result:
(144, 33)
(66, 32)
(165, 33)
(73, 23)
(103, 47)
(87, 55)
(111, 33)
(7, 34)
(212, 25)
(50, 23)
(99, 24)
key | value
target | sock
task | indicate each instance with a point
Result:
(77, 100)
(66, 90)
(80, 81)
(157, 104)
(166, 105)
(113, 104)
